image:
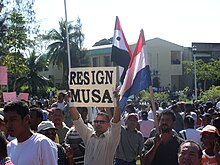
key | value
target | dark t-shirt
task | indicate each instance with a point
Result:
(62, 160)
(166, 153)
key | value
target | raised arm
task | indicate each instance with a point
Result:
(74, 113)
(117, 114)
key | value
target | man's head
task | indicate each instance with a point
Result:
(60, 97)
(17, 119)
(175, 108)
(101, 123)
(209, 136)
(216, 123)
(144, 115)
(189, 122)
(156, 105)
(167, 120)
(206, 119)
(129, 108)
(190, 153)
(188, 107)
(164, 105)
(36, 115)
(48, 129)
(132, 121)
(57, 116)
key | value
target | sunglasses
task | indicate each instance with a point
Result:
(100, 121)
(48, 132)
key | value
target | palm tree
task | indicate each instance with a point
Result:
(57, 50)
(32, 79)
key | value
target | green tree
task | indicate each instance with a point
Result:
(32, 78)
(211, 95)
(78, 36)
(3, 28)
(57, 50)
(159, 96)
(26, 8)
(15, 42)
(204, 71)
(104, 42)
(215, 64)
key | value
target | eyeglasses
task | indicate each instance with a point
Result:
(100, 121)
(48, 132)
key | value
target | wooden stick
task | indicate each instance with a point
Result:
(154, 109)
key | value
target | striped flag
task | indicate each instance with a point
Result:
(138, 75)
(121, 53)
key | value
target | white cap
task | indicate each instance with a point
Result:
(44, 125)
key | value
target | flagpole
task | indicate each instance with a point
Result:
(154, 109)
(67, 36)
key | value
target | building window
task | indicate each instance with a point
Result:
(95, 61)
(175, 57)
(107, 61)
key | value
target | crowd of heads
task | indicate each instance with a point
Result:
(45, 118)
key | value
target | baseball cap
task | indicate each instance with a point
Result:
(44, 125)
(132, 114)
(210, 129)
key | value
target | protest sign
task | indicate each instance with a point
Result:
(23, 96)
(3, 75)
(92, 86)
(9, 96)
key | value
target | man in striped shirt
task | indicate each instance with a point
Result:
(75, 141)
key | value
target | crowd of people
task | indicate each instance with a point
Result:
(187, 133)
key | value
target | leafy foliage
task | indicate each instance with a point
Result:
(104, 42)
(32, 79)
(159, 96)
(182, 94)
(14, 43)
(204, 71)
(211, 95)
(57, 50)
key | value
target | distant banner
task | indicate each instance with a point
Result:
(3, 75)
(23, 96)
(92, 87)
(9, 96)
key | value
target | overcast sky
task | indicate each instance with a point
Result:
(179, 21)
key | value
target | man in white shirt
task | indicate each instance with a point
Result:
(158, 109)
(190, 133)
(28, 148)
(146, 125)
(100, 143)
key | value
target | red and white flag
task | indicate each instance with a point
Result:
(138, 75)
(121, 53)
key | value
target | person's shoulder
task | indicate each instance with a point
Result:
(14, 142)
(37, 137)
(71, 130)
(178, 139)
(140, 135)
(149, 121)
